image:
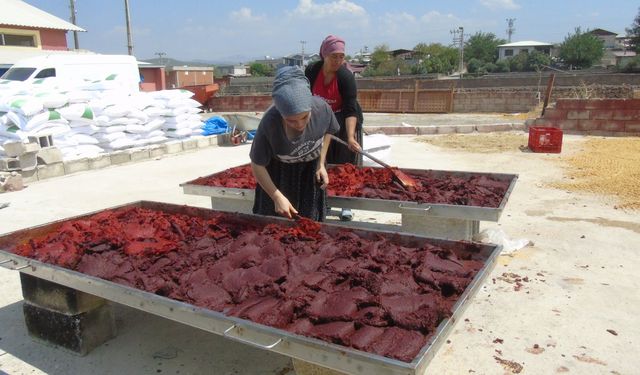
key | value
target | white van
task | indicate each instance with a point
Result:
(92, 67)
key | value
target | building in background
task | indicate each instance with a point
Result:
(239, 70)
(616, 48)
(26, 31)
(180, 76)
(508, 50)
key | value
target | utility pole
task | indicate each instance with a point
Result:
(458, 39)
(302, 42)
(72, 5)
(129, 40)
(160, 54)
(510, 28)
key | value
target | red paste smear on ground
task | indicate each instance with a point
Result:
(372, 295)
(377, 183)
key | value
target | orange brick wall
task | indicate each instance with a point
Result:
(594, 116)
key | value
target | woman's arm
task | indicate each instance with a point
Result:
(321, 173)
(281, 203)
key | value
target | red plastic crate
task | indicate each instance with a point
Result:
(542, 139)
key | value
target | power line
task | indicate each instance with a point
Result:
(458, 40)
(510, 29)
(302, 42)
(160, 54)
(72, 6)
(128, 20)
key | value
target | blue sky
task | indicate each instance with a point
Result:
(239, 30)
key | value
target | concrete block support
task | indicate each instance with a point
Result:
(189, 144)
(65, 317)
(156, 151)
(101, 161)
(173, 147)
(48, 171)
(78, 333)
(120, 157)
(72, 166)
(15, 149)
(57, 297)
(49, 155)
(140, 154)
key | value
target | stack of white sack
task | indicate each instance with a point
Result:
(92, 119)
(181, 113)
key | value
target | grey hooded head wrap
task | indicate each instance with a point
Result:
(291, 93)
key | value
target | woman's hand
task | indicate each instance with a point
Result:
(322, 177)
(354, 146)
(282, 206)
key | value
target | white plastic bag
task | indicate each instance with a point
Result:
(498, 237)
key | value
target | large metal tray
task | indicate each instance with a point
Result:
(382, 205)
(280, 341)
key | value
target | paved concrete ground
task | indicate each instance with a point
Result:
(575, 312)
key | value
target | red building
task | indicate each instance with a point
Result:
(26, 31)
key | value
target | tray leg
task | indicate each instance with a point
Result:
(242, 206)
(306, 368)
(65, 317)
(440, 227)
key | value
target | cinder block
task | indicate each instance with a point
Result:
(173, 147)
(43, 141)
(30, 176)
(9, 164)
(578, 115)
(446, 129)
(15, 149)
(156, 151)
(601, 115)
(120, 157)
(489, 128)
(140, 154)
(632, 127)
(28, 161)
(101, 161)
(49, 155)
(49, 171)
(189, 144)
(202, 142)
(427, 130)
(213, 139)
(78, 333)
(588, 125)
(52, 296)
(465, 129)
(519, 126)
(78, 165)
(612, 126)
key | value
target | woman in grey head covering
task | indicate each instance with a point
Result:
(289, 150)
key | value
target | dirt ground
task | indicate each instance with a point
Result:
(567, 303)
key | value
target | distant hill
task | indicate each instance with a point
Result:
(167, 61)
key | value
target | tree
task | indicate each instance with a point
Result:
(436, 58)
(380, 54)
(537, 61)
(634, 33)
(482, 46)
(581, 49)
(260, 70)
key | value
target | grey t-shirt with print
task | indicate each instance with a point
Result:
(271, 140)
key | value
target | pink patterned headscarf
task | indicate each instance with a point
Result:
(331, 44)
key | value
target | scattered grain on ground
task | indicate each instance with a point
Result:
(608, 166)
(479, 142)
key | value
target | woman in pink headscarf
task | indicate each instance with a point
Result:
(331, 80)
